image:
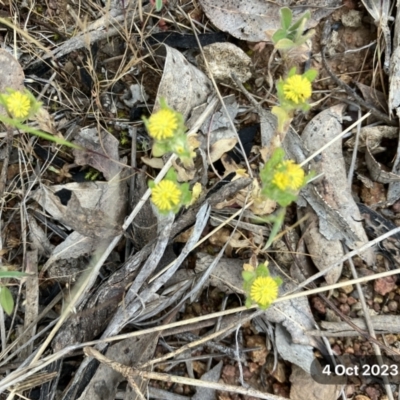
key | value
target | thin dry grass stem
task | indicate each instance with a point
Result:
(355, 151)
(25, 35)
(370, 326)
(377, 70)
(124, 370)
(128, 371)
(87, 280)
(37, 365)
(34, 381)
(17, 341)
(189, 346)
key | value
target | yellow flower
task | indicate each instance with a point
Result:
(166, 195)
(290, 176)
(18, 105)
(162, 124)
(179, 150)
(264, 290)
(297, 88)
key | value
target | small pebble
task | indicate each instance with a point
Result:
(378, 298)
(391, 338)
(356, 307)
(342, 298)
(393, 305)
(347, 289)
(351, 301)
(344, 308)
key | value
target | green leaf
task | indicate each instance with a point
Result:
(278, 281)
(248, 303)
(284, 44)
(292, 72)
(12, 274)
(171, 175)
(283, 117)
(186, 194)
(262, 270)
(286, 17)
(299, 32)
(277, 156)
(279, 90)
(275, 228)
(6, 300)
(278, 35)
(159, 5)
(310, 74)
(302, 20)
(159, 149)
(247, 276)
(305, 37)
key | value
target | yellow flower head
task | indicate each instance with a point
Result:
(166, 195)
(264, 290)
(297, 88)
(18, 105)
(162, 124)
(290, 176)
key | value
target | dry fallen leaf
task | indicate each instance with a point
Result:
(250, 20)
(305, 388)
(330, 196)
(222, 146)
(183, 85)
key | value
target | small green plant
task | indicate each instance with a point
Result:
(6, 299)
(293, 94)
(168, 195)
(259, 286)
(21, 106)
(290, 36)
(166, 127)
(281, 181)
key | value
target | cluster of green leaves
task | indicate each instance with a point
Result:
(291, 35)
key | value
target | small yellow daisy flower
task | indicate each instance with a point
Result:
(297, 88)
(166, 195)
(18, 105)
(162, 124)
(264, 290)
(289, 176)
